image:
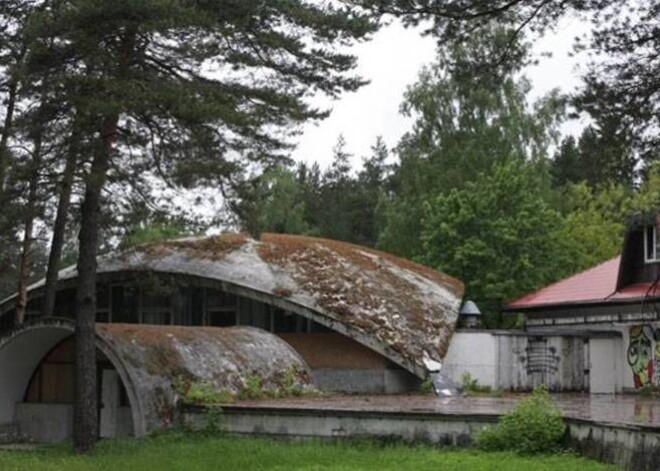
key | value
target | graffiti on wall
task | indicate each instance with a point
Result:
(539, 358)
(644, 355)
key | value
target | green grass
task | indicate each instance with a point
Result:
(180, 451)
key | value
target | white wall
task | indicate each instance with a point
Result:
(516, 360)
(605, 365)
(474, 353)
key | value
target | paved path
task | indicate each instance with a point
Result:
(617, 409)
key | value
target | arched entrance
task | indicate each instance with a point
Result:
(141, 368)
(50, 394)
(37, 384)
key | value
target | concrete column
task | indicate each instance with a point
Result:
(109, 403)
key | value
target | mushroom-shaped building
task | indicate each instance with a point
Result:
(362, 320)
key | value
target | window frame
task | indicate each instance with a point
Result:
(655, 258)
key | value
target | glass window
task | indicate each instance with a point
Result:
(155, 308)
(221, 308)
(651, 244)
(284, 321)
(124, 304)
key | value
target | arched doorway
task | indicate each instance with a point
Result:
(37, 384)
(50, 395)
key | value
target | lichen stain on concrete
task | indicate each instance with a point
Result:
(408, 307)
(398, 307)
(158, 358)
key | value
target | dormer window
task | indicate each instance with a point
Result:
(651, 246)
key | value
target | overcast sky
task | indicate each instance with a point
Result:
(391, 61)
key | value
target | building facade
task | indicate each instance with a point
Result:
(614, 307)
(360, 320)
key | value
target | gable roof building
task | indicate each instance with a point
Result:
(618, 299)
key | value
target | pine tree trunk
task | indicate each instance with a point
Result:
(85, 426)
(59, 229)
(85, 412)
(30, 214)
(7, 130)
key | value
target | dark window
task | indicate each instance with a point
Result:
(156, 308)
(33, 308)
(197, 306)
(221, 319)
(316, 327)
(221, 308)
(65, 303)
(284, 321)
(102, 303)
(650, 243)
(124, 304)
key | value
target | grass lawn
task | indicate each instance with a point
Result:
(179, 451)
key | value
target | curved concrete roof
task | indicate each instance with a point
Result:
(154, 362)
(399, 308)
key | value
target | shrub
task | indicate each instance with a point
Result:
(427, 386)
(203, 392)
(471, 385)
(534, 426)
(253, 388)
(291, 385)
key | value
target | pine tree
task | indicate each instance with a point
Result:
(136, 78)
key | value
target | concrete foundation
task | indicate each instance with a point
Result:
(636, 448)
(292, 423)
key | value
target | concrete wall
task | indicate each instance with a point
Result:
(333, 350)
(517, 361)
(446, 429)
(629, 447)
(474, 353)
(365, 381)
(341, 364)
(53, 423)
(45, 423)
(632, 448)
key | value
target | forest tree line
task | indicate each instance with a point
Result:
(483, 187)
(107, 106)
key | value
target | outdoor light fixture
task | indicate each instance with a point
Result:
(470, 315)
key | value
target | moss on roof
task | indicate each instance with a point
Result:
(398, 307)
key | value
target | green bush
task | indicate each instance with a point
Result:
(534, 426)
(427, 386)
(291, 385)
(253, 388)
(471, 385)
(204, 393)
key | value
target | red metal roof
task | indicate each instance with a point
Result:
(637, 290)
(597, 284)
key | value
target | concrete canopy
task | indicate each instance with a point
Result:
(152, 361)
(398, 308)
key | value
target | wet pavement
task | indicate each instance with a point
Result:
(615, 409)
